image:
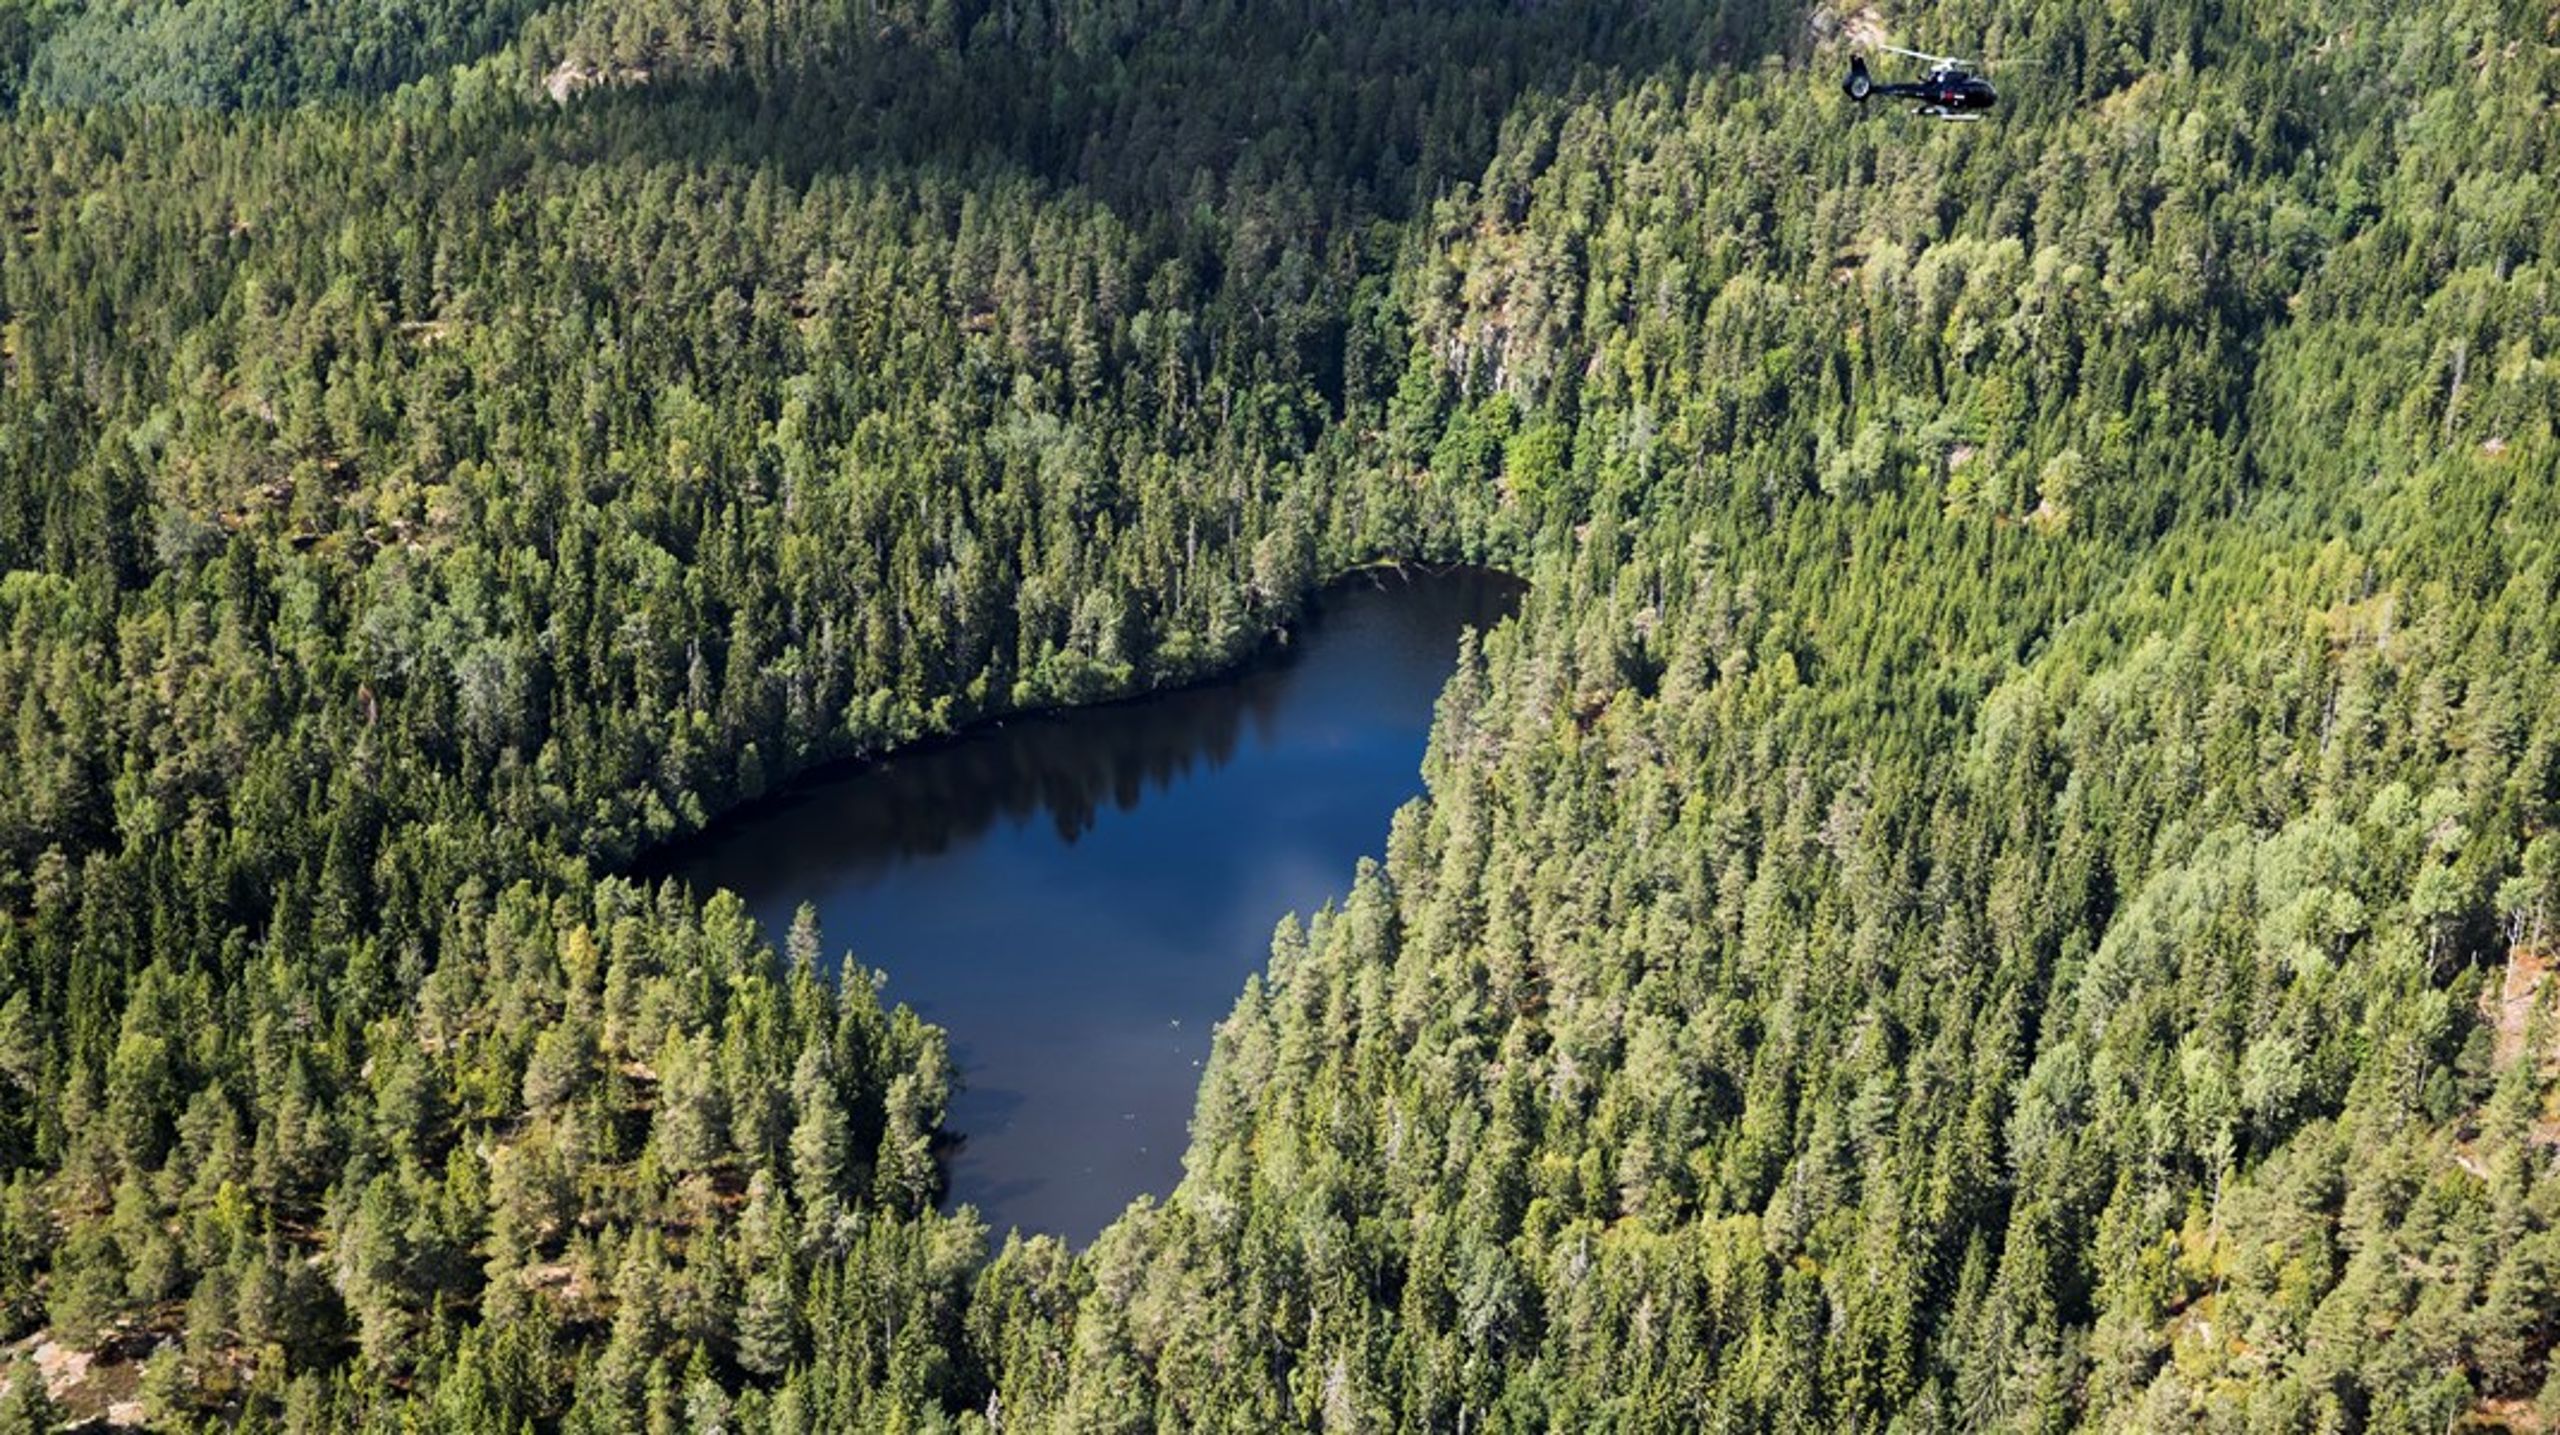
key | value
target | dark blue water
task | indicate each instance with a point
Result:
(1077, 898)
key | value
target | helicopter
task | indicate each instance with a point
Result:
(1951, 92)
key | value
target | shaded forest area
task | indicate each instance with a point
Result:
(2003, 878)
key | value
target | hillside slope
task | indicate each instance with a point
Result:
(2002, 879)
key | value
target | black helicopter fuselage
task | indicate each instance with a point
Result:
(1947, 92)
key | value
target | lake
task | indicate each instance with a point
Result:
(1077, 898)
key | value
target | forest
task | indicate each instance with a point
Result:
(2005, 876)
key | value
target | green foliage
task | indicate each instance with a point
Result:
(25, 1408)
(235, 53)
(2001, 877)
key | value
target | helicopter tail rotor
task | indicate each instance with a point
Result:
(1858, 84)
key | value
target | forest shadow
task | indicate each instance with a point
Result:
(1326, 122)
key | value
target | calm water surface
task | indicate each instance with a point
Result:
(1077, 898)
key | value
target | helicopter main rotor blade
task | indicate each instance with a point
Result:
(1923, 55)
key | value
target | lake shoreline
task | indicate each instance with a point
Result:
(658, 861)
(1075, 898)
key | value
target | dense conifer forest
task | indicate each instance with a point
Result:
(2004, 877)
